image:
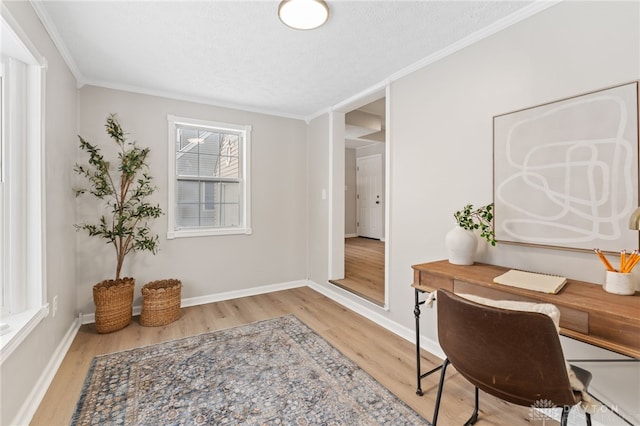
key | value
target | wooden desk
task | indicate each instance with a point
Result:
(587, 312)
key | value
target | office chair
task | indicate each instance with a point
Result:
(511, 354)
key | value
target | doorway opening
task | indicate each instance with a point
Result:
(365, 129)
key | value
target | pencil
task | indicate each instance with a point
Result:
(604, 260)
(632, 261)
(623, 260)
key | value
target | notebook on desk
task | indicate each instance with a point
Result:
(531, 281)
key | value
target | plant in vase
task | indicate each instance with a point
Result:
(461, 241)
(125, 225)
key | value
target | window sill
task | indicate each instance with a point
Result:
(206, 232)
(20, 325)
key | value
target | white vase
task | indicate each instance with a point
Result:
(461, 246)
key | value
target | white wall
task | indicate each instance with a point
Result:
(441, 148)
(276, 251)
(22, 371)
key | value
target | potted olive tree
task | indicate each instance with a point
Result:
(461, 241)
(124, 188)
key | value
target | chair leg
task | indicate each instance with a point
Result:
(474, 417)
(565, 415)
(439, 395)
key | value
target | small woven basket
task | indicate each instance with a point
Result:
(114, 304)
(160, 302)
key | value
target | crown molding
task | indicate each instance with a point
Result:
(502, 24)
(44, 17)
(512, 19)
(187, 98)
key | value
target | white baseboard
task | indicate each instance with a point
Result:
(29, 407)
(576, 417)
(350, 235)
(339, 295)
(202, 300)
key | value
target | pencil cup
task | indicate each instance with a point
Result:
(619, 283)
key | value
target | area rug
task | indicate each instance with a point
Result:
(273, 372)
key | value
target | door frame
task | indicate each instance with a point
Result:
(336, 185)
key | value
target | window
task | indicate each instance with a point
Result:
(22, 280)
(209, 171)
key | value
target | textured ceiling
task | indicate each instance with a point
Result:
(238, 53)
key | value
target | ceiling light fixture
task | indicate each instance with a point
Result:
(303, 14)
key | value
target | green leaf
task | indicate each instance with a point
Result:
(125, 223)
(480, 218)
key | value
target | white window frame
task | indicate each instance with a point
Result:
(245, 180)
(23, 233)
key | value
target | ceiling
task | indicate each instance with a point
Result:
(239, 54)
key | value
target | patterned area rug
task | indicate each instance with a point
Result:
(273, 372)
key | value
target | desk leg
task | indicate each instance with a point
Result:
(416, 313)
(419, 376)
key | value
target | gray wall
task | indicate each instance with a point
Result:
(275, 253)
(441, 159)
(441, 150)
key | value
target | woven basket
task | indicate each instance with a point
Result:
(114, 304)
(160, 302)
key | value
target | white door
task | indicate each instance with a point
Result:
(369, 196)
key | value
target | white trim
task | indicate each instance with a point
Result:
(514, 18)
(350, 235)
(29, 407)
(245, 219)
(388, 176)
(32, 402)
(336, 294)
(20, 326)
(501, 24)
(187, 98)
(206, 232)
(46, 20)
(332, 293)
(218, 297)
(330, 221)
(38, 59)
(29, 272)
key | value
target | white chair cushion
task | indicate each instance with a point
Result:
(544, 308)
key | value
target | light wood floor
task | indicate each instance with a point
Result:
(387, 357)
(364, 268)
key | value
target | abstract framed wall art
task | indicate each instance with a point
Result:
(566, 172)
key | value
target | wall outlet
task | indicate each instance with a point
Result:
(55, 306)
